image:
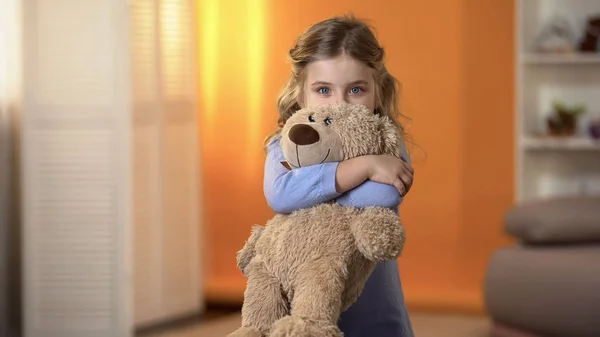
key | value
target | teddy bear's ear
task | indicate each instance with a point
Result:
(391, 137)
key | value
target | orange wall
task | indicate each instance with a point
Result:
(488, 140)
(454, 60)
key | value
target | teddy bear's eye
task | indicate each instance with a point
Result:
(327, 121)
(311, 119)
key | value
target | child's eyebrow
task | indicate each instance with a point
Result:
(320, 83)
(363, 82)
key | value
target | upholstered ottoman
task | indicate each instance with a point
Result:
(548, 285)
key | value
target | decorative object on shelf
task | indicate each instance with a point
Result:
(591, 39)
(595, 127)
(557, 36)
(563, 121)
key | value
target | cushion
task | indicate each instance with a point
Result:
(559, 220)
(546, 290)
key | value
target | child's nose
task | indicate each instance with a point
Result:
(341, 98)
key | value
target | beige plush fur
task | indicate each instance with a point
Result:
(304, 269)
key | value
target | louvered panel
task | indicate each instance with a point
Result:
(180, 202)
(84, 77)
(179, 168)
(147, 219)
(144, 37)
(177, 60)
(72, 239)
(147, 252)
(75, 169)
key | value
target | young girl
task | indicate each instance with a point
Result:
(338, 60)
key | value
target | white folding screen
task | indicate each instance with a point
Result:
(166, 278)
(76, 162)
(110, 172)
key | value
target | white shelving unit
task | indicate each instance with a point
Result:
(551, 166)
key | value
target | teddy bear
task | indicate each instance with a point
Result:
(305, 268)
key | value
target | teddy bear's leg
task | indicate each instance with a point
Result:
(264, 303)
(316, 306)
(378, 233)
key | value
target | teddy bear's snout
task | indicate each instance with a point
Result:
(303, 134)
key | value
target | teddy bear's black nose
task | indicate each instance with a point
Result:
(303, 134)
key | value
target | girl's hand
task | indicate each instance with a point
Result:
(390, 170)
(383, 169)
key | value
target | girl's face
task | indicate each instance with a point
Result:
(338, 79)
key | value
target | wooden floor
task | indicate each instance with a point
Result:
(425, 325)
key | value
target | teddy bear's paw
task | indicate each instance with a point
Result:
(379, 234)
(294, 326)
(245, 332)
(289, 326)
(326, 330)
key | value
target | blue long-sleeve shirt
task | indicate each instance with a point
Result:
(380, 310)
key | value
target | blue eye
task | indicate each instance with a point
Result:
(323, 91)
(356, 90)
(327, 121)
(311, 119)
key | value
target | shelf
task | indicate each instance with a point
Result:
(575, 58)
(562, 144)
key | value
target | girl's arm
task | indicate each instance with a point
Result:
(372, 193)
(289, 190)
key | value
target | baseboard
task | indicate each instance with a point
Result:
(445, 301)
(230, 291)
(169, 323)
(208, 313)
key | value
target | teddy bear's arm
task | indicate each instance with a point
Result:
(378, 234)
(245, 255)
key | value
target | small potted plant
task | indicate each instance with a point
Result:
(563, 121)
